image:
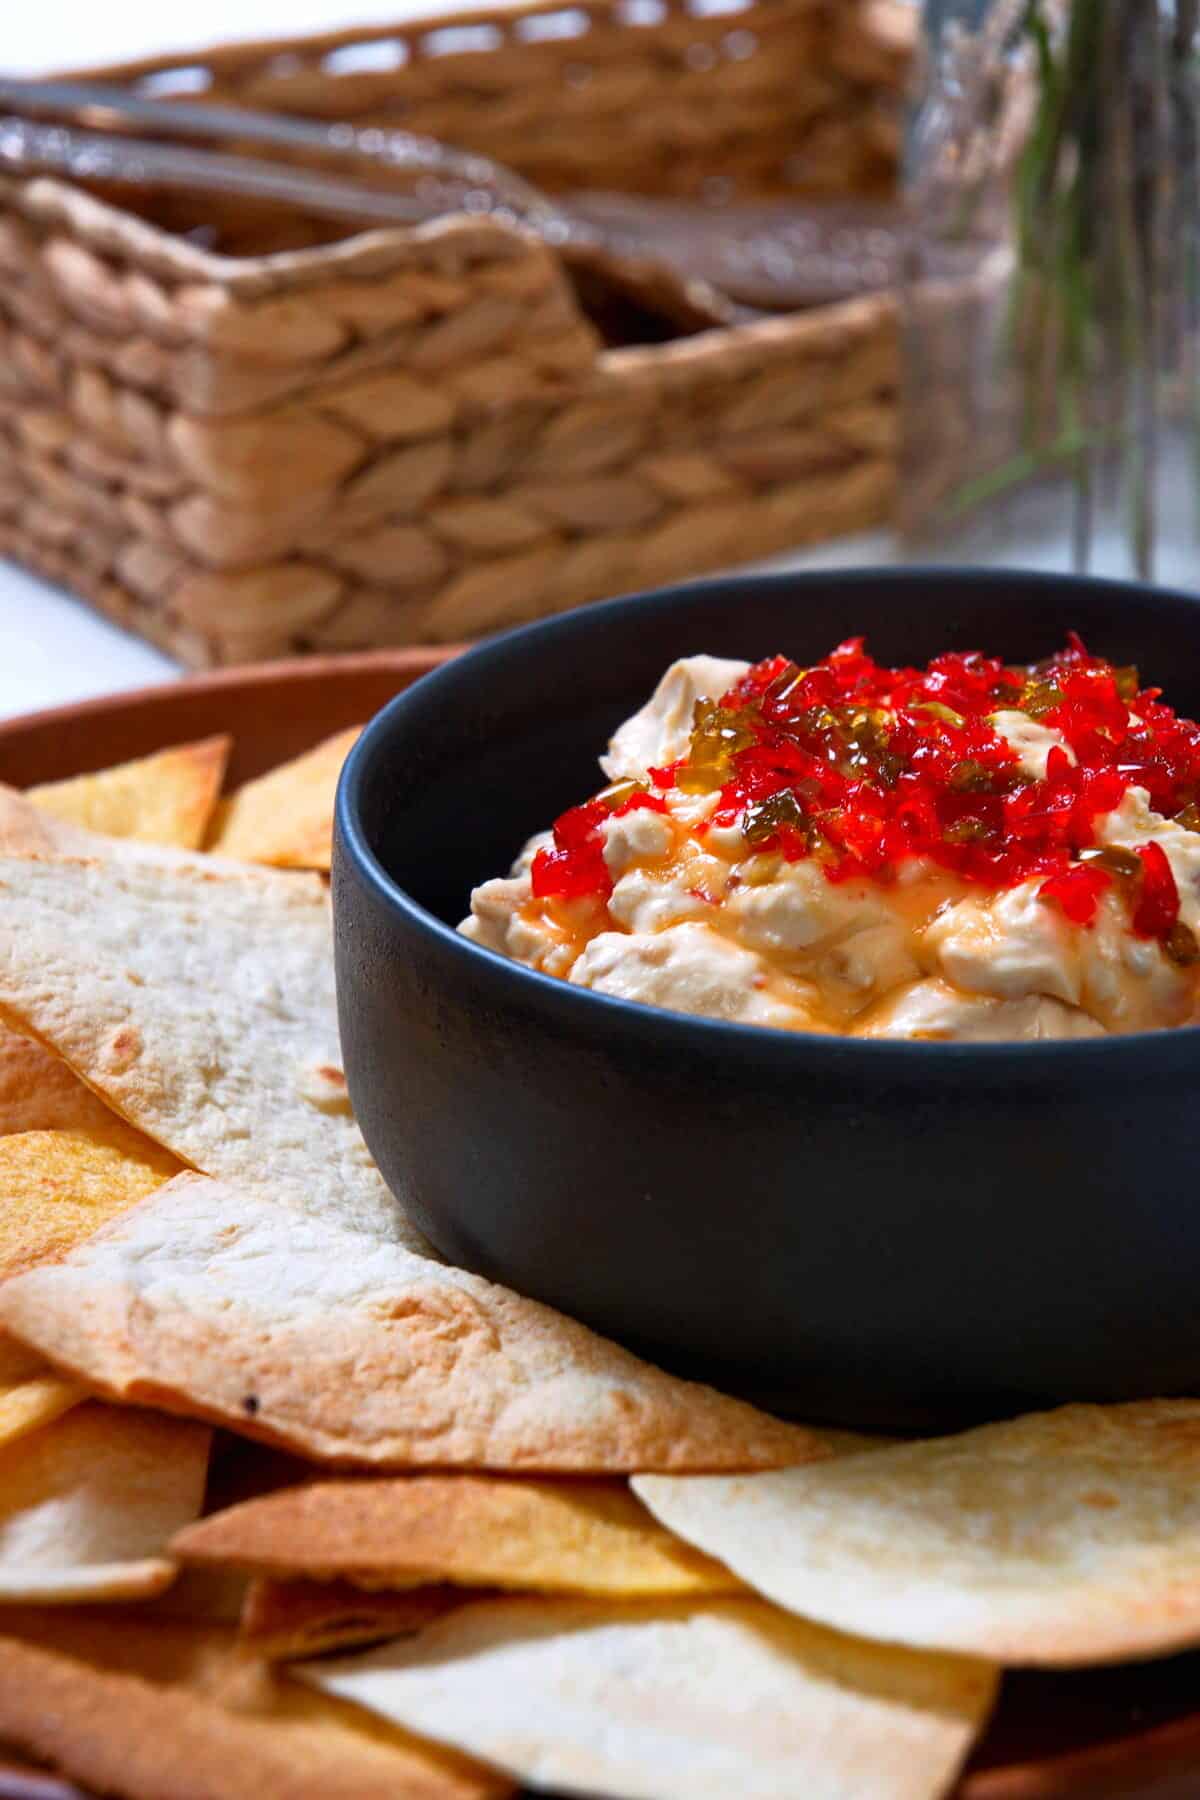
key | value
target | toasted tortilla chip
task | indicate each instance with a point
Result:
(27, 831)
(24, 831)
(167, 798)
(852, 1443)
(18, 1362)
(675, 1700)
(57, 1187)
(283, 1620)
(34, 1402)
(22, 1781)
(573, 1537)
(1063, 1538)
(89, 1503)
(152, 1709)
(202, 1596)
(38, 1092)
(201, 1005)
(31, 1392)
(215, 1300)
(285, 818)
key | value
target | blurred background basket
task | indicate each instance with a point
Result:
(246, 436)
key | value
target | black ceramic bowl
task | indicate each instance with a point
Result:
(885, 1234)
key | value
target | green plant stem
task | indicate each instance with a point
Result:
(1106, 297)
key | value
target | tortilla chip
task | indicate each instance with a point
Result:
(23, 1781)
(282, 1620)
(201, 1005)
(675, 1700)
(31, 1392)
(1063, 1538)
(24, 831)
(220, 1302)
(854, 1443)
(158, 1710)
(57, 1187)
(167, 798)
(27, 831)
(89, 1504)
(581, 1537)
(202, 1596)
(18, 1363)
(286, 818)
(38, 1092)
(237, 1470)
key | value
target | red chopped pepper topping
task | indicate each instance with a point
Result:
(1077, 891)
(1158, 903)
(575, 868)
(640, 803)
(863, 767)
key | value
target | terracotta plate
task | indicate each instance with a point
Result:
(1131, 1733)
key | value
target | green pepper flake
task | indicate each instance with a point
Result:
(782, 811)
(718, 733)
(1182, 947)
(620, 791)
(934, 709)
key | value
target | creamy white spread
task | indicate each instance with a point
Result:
(1031, 741)
(696, 925)
(1135, 822)
(661, 731)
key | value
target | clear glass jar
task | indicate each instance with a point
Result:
(1052, 292)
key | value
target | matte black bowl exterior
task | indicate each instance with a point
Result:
(893, 1235)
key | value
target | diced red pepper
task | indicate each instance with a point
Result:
(575, 867)
(640, 803)
(1077, 892)
(1157, 911)
(869, 766)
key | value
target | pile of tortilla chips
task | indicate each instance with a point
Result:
(290, 1506)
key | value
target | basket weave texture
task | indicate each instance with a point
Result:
(639, 96)
(416, 435)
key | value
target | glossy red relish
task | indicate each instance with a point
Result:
(862, 767)
(575, 868)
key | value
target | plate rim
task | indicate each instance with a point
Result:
(277, 672)
(1054, 1777)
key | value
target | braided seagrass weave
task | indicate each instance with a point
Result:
(417, 434)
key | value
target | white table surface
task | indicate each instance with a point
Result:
(52, 648)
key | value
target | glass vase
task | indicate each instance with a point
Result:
(1052, 291)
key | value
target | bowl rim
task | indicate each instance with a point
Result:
(885, 1057)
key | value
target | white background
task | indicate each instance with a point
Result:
(52, 649)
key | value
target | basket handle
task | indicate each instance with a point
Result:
(447, 180)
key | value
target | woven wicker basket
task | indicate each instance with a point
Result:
(416, 435)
